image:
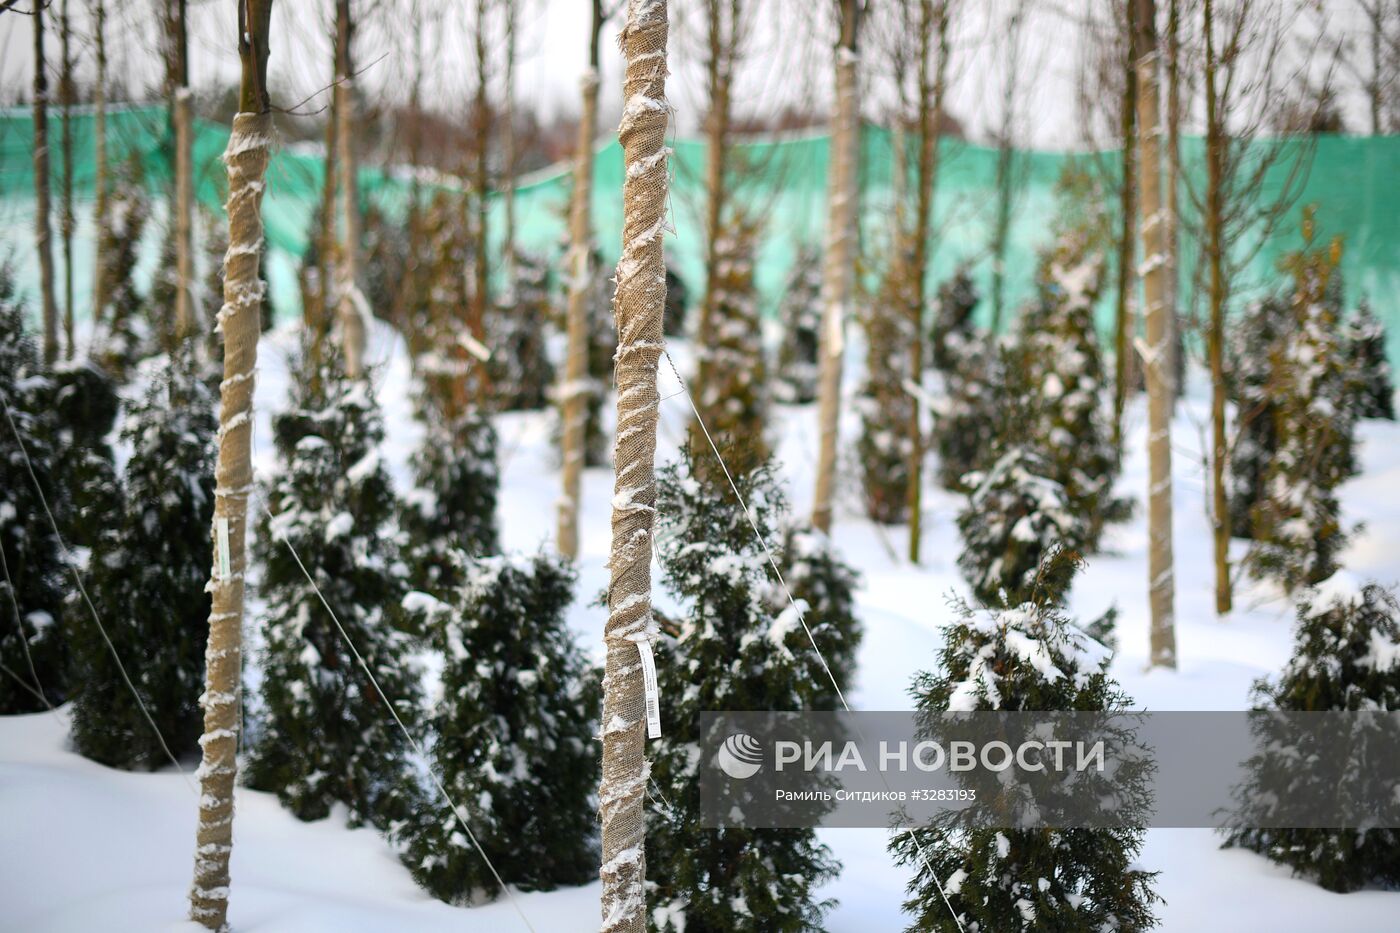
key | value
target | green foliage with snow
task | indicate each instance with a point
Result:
(732, 378)
(1015, 517)
(32, 644)
(514, 733)
(1057, 373)
(734, 650)
(1365, 345)
(1026, 657)
(825, 587)
(324, 734)
(1296, 522)
(147, 579)
(1346, 656)
(885, 404)
(521, 372)
(955, 336)
(801, 314)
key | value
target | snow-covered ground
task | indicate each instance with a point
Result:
(86, 848)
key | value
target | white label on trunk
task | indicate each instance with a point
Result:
(653, 697)
(836, 332)
(476, 348)
(221, 532)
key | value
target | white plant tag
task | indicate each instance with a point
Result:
(653, 695)
(221, 532)
(476, 348)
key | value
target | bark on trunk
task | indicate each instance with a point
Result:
(638, 307)
(67, 222)
(1215, 337)
(43, 234)
(719, 68)
(187, 317)
(574, 392)
(930, 120)
(1175, 363)
(1127, 239)
(351, 311)
(481, 270)
(99, 138)
(508, 149)
(240, 320)
(838, 273)
(1160, 574)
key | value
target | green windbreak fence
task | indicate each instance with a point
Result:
(1354, 181)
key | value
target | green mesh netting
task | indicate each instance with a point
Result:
(780, 182)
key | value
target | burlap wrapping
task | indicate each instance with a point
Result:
(574, 390)
(1160, 578)
(239, 318)
(638, 306)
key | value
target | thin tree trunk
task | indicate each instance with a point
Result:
(1175, 366)
(1005, 172)
(838, 273)
(68, 221)
(574, 392)
(240, 319)
(99, 138)
(351, 312)
(930, 121)
(318, 319)
(1215, 338)
(43, 235)
(481, 178)
(187, 318)
(718, 75)
(508, 148)
(1160, 573)
(638, 309)
(1127, 239)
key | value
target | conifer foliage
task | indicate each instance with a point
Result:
(1057, 364)
(1346, 656)
(522, 373)
(825, 587)
(885, 404)
(1263, 327)
(796, 378)
(733, 651)
(1365, 343)
(32, 645)
(148, 574)
(1015, 517)
(325, 735)
(1297, 521)
(514, 733)
(1026, 657)
(732, 380)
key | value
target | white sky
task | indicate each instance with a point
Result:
(787, 55)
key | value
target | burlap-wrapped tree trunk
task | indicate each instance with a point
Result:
(1157, 355)
(574, 392)
(249, 146)
(351, 312)
(838, 273)
(43, 233)
(637, 307)
(99, 140)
